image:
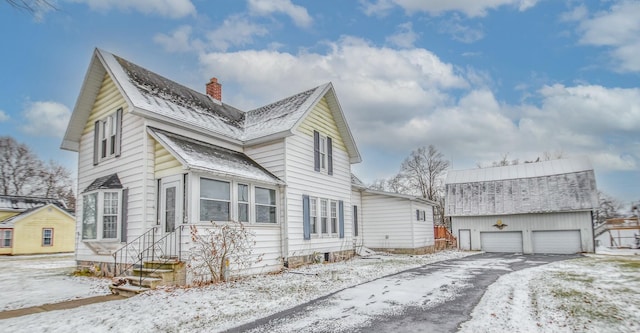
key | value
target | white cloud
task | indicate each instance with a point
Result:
(618, 29)
(236, 30)
(166, 8)
(298, 14)
(473, 8)
(405, 37)
(179, 40)
(46, 119)
(460, 32)
(3, 116)
(397, 100)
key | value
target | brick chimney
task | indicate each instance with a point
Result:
(214, 89)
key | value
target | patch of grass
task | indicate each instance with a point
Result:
(575, 277)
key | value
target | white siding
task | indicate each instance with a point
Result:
(302, 179)
(387, 222)
(270, 156)
(422, 230)
(129, 166)
(527, 223)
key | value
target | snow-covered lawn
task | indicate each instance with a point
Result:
(218, 307)
(41, 279)
(597, 293)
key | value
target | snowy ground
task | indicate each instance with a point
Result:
(40, 279)
(597, 293)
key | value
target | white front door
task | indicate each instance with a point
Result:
(171, 199)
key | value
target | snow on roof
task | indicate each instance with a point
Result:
(154, 93)
(527, 170)
(203, 156)
(105, 182)
(355, 181)
(22, 203)
(10, 222)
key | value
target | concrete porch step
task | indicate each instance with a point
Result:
(147, 282)
(127, 290)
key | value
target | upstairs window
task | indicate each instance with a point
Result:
(107, 136)
(322, 153)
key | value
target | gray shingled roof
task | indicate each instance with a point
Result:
(21, 203)
(104, 183)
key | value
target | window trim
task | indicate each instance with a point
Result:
(99, 215)
(3, 232)
(44, 230)
(234, 203)
(107, 137)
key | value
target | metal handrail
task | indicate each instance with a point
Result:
(146, 248)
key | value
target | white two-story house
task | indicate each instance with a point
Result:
(155, 157)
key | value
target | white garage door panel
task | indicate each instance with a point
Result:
(557, 241)
(501, 241)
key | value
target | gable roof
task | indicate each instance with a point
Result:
(526, 170)
(22, 203)
(151, 95)
(10, 222)
(198, 155)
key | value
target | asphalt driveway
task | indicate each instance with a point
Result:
(433, 298)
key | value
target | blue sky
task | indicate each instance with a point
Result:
(478, 79)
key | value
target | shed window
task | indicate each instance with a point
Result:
(5, 238)
(47, 237)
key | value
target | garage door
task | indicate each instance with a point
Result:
(557, 241)
(501, 241)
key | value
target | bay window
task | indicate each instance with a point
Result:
(265, 205)
(101, 215)
(224, 201)
(243, 203)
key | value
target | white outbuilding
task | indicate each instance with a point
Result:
(543, 207)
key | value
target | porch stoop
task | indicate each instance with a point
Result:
(151, 275)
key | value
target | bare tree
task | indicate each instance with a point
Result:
(32, 6)
(219, 249)
(23, 173)
(20, 169)
(423, 169)
(608, 207)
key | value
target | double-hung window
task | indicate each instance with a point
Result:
(215, 200)
(334, 217)
(107, 137)
(265, 205)
(101, 215)
(5, 237)
(47, 237)
(323, 216)
(313, 214)
(322, 153)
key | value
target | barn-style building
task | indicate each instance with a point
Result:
(543, 207)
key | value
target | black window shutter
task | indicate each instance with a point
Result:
(341, 218)
(316, 150)
(125, 206)
(418, 214)
(306, 218)
(355, 220)
(96, 142)
(330, 155)
(118, 131)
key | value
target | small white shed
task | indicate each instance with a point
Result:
(395, 222)
(543, 207)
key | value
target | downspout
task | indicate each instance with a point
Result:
(284, 227)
